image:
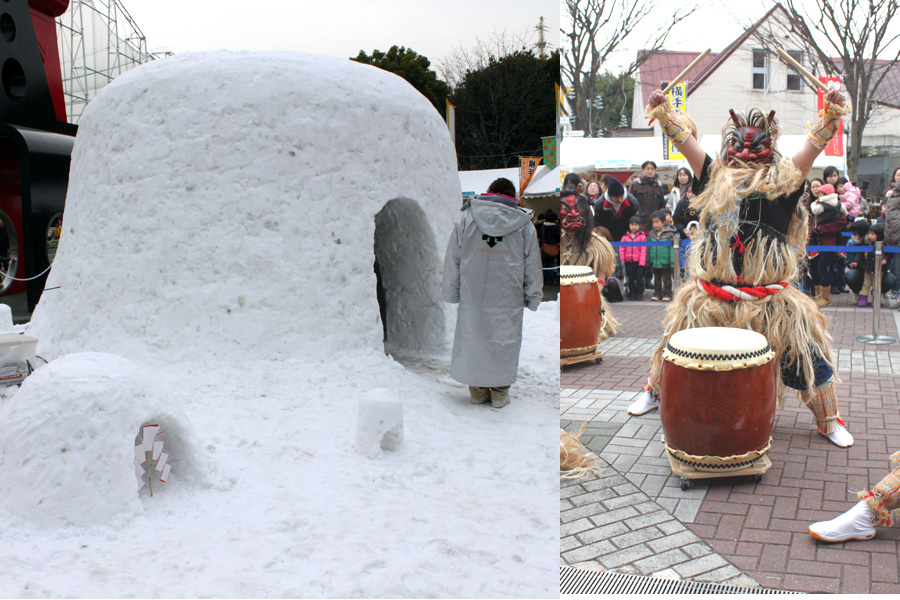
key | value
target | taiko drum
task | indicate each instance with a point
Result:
(717, 397)
(579, 311)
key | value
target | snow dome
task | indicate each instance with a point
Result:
(245, 198)
(216, 275)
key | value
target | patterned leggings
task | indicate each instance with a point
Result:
(885, 497)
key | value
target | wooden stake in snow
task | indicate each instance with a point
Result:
(147, 451)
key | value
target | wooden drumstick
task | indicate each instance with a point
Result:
(684, 73)
(812, 79)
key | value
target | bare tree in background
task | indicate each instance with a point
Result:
(598, 28)
(453, 67)
(846, 37)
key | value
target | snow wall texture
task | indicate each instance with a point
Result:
(223, 206)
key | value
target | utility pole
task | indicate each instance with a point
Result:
(542, 43)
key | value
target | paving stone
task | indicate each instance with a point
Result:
(573, 527)
(700, 565)
(648, 519)
(661, 561)
(629, 500)
(611, 560)
(591, 497)
(589, 552)
(720, 575)
(675, 540)
(640, 536)
(602, 533)
(611, 516)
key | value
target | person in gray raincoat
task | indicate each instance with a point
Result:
(492, 269)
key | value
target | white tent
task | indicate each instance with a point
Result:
(545, 182)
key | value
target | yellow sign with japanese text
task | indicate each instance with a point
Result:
(678, 99)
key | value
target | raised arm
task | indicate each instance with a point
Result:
(677, 127)
(823, 130)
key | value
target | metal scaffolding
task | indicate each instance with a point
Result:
(98, 41)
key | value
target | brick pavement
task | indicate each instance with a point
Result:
(733, 523)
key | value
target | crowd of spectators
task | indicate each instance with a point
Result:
(840, 216)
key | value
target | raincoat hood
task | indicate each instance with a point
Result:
(494, 215)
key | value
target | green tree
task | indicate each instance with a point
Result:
(504, 109)
(613, 97)
(412, 67)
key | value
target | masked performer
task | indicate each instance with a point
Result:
(750, 250)
(581, 246)
(874, 509)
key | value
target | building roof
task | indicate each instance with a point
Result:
(665, 65)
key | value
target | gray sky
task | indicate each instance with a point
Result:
(342, 28)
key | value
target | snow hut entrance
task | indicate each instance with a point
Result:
(408, 272)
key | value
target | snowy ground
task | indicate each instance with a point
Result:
(467, 507)
(215, 276)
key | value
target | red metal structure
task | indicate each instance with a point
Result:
(35, 143)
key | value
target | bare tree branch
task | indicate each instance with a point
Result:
(596, 29)
(853, 39)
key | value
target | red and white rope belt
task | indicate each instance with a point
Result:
(733, 294)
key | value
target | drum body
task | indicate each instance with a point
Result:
(717, 397)
(579, 311)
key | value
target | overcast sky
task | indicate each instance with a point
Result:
(342, 28)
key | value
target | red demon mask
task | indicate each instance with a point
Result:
(570, 215)
(750, 144)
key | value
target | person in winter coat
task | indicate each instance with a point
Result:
(634, 258)
(683, 182)
(492, 270)
(685, 213)
(615, 209)
(831, 219)
(650, 193)
(866, 261)
(661, 258)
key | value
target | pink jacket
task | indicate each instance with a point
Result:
(850, 199)
(632, 254)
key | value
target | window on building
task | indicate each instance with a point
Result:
(760, 69)
(793, 78)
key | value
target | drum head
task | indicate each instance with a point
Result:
(571, 275)
(718, 348)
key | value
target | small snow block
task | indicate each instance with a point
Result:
(379, 426)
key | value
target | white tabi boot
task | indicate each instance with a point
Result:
(840, 437)
(858, 523)
(644, 404)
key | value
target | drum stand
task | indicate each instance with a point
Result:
(688, 473)
(571, 360)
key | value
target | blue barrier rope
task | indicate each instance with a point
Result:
(660, 243)
(845, 249)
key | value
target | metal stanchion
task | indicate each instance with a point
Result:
(876, 338)
(676, 252)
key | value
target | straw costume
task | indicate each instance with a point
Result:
(581, 246)
(875, 509)
(750, 251)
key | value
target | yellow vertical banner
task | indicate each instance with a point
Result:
(528, 167)
(451, 121)
(678, 99)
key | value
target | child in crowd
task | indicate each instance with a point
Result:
(634, 258)
(692, 229)
(661, 258)
(831, 218)
(669, 220)
(850, 196)
(865, 262)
